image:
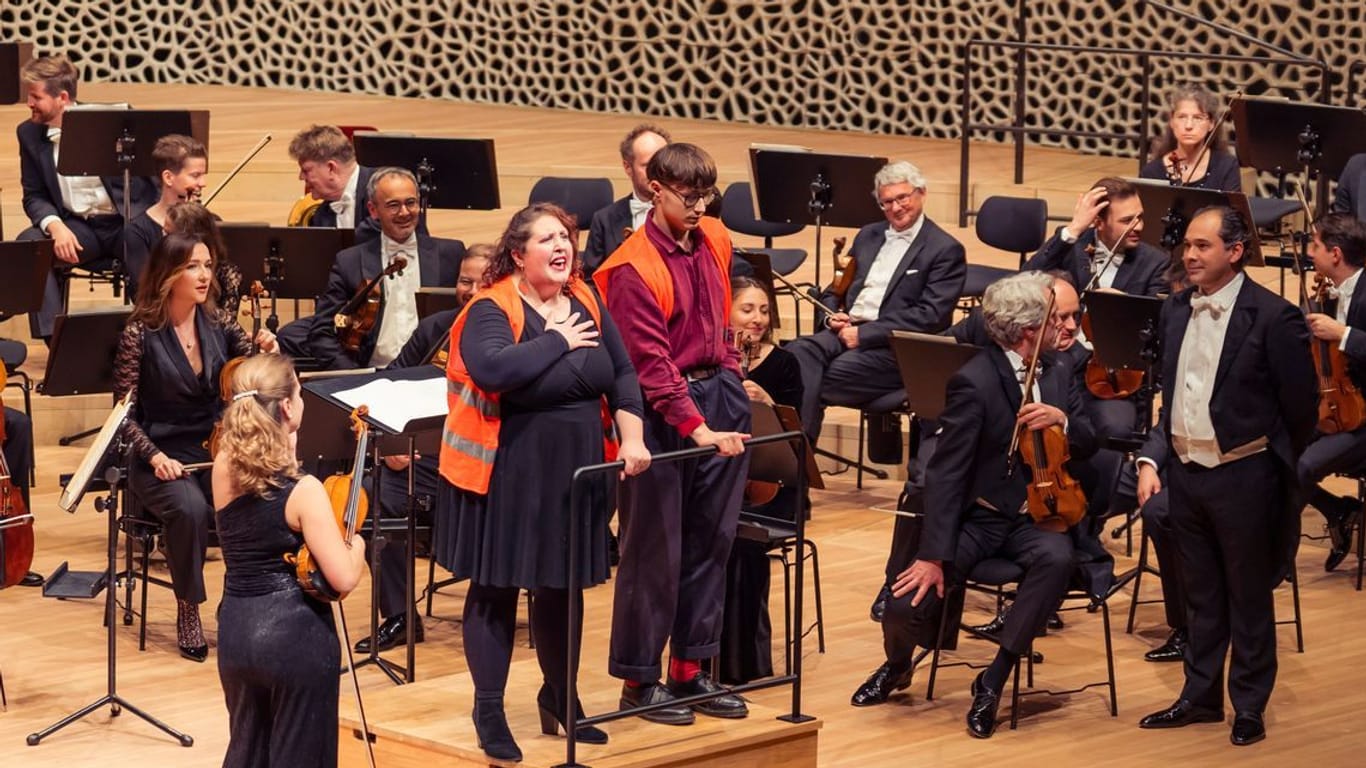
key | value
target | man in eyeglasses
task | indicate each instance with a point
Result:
(908, 275)
(668, 289)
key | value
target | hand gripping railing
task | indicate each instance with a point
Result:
(571, 719)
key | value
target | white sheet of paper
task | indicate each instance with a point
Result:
(395, 403)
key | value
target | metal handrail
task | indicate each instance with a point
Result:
(1143, 57)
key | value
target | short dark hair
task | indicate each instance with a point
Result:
(1116, 190)
(173, 149)
(1346, 233)
(1233, 228)
(684, 164)
(628, 144)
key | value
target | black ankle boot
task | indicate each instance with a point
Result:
(552, 717)
(190, 632)
(491, 726)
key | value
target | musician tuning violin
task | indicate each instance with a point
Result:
(1192, 151)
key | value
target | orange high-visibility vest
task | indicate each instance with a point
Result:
(639, 253)
(469, 441)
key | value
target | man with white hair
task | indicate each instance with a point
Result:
(908, 276)
(975, 506)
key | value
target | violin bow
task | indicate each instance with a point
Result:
(1209, 138)
(1033, 367)
(1113, 253)
(251, 154)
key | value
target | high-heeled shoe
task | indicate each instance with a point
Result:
(190, 632)
(491, 727)
(552, 710)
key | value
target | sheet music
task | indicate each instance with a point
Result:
(395, 403)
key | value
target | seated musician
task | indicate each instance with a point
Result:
(391, 196)
(1350, 194)
(169, 358)
(975, 509)
(192, 218)
(610, 224)
(18, 445)
(1181, 155)
(182, 165)
(82, 215)
(330, 173)
(1338, 251)
(909, 275)
(428, 345)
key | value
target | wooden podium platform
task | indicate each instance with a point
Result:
(427, 723)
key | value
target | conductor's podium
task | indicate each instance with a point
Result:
(427, 724)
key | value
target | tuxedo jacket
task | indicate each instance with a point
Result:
(431, 330)
(439, 262)
(604, 234)
(1140, 274)
(924, 288)
(1350, 195)
(976, 427)
(1356, 340)
(366, 227)
(43, 194)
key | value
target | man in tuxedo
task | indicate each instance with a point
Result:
(391, 197)
(609, 224)
(1091, 243)
(329, 171)
(82, 215)
(1240, 403)
(1338, 251)
(908, 276)
(1350, 195)
(975, 506)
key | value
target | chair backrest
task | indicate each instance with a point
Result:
(1017, 224)
(737, 213)
(580, 197)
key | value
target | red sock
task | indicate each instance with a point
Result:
(632, 683)
(683, 670)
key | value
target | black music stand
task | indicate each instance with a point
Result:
(1178, 204)
(927, 362)
(431, 300)
(24, 267)
(295, 261)
(457, 174)
(1124, 337)
(420, 435)
(763, 273)
(81, 361)
(13, 57)
(1283, 137)
(795, 184)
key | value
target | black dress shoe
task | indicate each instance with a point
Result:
(31, 579)
(728, 705)
(1181, 714)
(393, 632)
(1248, 728)
(880, 685)
(645, 694)
(992, 629)
(982, 713)
(879, 607)
(1172, 650)
(198, 653)
(1054, 621)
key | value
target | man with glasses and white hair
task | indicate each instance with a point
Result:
(908, 276)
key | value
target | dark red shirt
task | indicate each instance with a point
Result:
(697, 335)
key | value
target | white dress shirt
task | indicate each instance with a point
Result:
(84, 196)
(883, 271)
(345, 206)
(399, 319)
(1345, 293)
(1021, 366)
(1193, 437)
(639, 210)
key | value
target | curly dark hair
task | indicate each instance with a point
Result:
(518, 232)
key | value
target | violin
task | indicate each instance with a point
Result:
(845, 270)
(757, 492)
(1104, 382)
(1341, 406)
(1056, 501)
(16, 524)
(351, 505)
(229, 369)
(357, 318)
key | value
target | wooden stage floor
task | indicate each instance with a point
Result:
(52, 652)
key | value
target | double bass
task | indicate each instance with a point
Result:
(16, 524)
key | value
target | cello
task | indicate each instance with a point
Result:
(16, 524)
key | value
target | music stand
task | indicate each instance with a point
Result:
(927, 362)
(295, 260)
(451, 173)
(1283, 137)
(763, 273)
(1124, 337)
(796, 184)
(24, 267)
(433, 300)
(13, 57)
(1178, 204)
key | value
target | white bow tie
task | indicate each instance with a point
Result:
(341, 206)
(1099, 259)
(1206, 304)
(638, 206)
(54, 135)
(892, 234)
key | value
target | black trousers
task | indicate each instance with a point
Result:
(676, 526)
(1157, 522)
(1228, 523)
(832, 374)
(1327, 454)
(101, 238)
(184, 506)
(18, 444)
(393, 556)
(1047, 561)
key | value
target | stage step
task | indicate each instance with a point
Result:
(427, 723)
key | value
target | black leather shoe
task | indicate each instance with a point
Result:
(31, 579)
(198, 653)
(633, 696)
(992, 629)
(1172, 650)
(1181, 714)
(1054, 621)
(393, 632)
(880, 685)
(879, 607)
(729, 705)
(1248, 728)
(982, 713)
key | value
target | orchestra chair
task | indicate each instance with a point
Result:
(107, 271)
(996, 577)
(145, 530)
(14, 353)
(1360, 477)
(737, 213)
(885, 408)
(1015, 224)
(581, 198)
(779, 539)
